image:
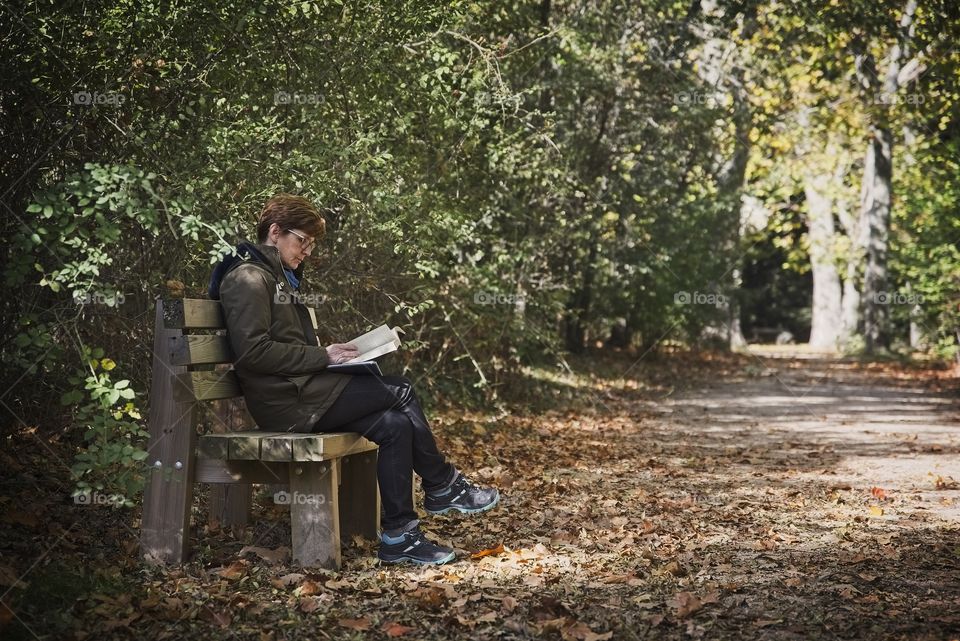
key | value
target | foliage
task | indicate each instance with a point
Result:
(110, 464)
(506, 181)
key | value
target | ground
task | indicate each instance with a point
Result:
(767, 495)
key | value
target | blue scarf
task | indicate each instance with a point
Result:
(292, 278)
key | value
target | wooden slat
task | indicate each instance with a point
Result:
(201, 349)
(312, 447)
(199, 313)
(245, 448)
(211, 471)
(279, 447)
(206, 386)
(213, 448)
(165, 528)
(235, 446)
(193, 313)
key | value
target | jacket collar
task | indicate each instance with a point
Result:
(267, 256)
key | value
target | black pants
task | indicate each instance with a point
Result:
(386, 411)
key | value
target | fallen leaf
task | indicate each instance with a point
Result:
(355, 624)
(685, 604)
(876, 511)
(336, 585)
(762, 623)
(233, 571)
(310, 604)
(431, 597)
(582, 632)
(308, 588)
(221, 618)
(394, 629)
(944, 482)
(488, 552)
(272, 557)
(287, 580)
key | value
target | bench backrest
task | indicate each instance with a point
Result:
(198, 352)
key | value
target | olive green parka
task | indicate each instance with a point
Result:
(278, 359)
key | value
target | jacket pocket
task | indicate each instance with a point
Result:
(300, 381)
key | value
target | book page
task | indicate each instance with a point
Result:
(374, 343)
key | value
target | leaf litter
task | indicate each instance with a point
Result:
(694, 500)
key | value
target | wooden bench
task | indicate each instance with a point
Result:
(332, 478)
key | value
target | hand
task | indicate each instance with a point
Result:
(341, 353)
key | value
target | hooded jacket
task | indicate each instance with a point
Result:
(277, 356)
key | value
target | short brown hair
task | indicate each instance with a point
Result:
(290, 212)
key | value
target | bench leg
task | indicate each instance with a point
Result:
(359, 496)
(314, 514)
(230, 504)
(168, 496)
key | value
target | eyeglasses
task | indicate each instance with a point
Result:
(306, 244)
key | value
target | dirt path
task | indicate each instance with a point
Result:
(827, 494)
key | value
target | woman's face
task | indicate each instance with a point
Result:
(293, 244)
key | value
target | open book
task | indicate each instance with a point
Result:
(374, 343)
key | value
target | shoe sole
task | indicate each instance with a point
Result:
(410, 559)
(466, 510)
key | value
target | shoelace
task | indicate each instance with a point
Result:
(417, 540)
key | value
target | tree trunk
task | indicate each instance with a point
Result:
(877, 188)
(827, 294)
(875, 205)
(728, 78)
(850, 305)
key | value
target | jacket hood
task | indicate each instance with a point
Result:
(264, 255)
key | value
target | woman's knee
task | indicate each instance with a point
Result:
(402, 389)
(391, 427)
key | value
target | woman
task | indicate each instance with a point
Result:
(282, 370)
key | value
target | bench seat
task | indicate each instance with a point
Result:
(285, 447)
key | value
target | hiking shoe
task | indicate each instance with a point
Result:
(413, 546)
(462, 495)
